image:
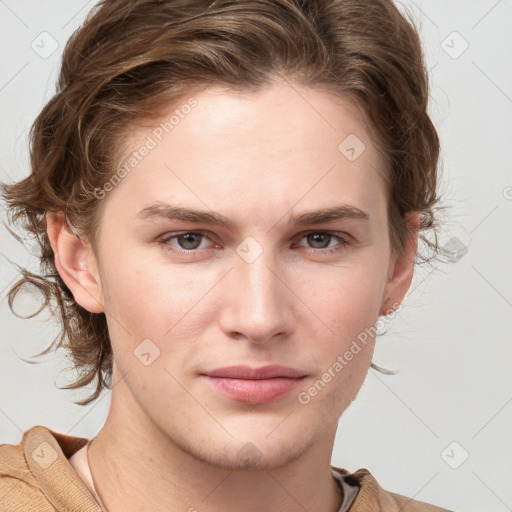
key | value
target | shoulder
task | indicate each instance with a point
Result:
(373, 498)
(35, 474)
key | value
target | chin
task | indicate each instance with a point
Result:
(260, 452)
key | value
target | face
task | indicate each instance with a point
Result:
(184, 296)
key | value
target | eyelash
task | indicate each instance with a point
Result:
(343, 241)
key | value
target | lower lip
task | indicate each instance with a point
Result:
(254, 391)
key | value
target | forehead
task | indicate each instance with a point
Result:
(283, 118)
(274, 148)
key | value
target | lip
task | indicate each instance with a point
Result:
(264, 372)
(254, 385)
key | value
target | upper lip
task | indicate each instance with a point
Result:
(264, 372)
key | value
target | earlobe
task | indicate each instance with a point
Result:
(401, 268)
(76, 263)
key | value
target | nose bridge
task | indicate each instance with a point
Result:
(259, 277)
(258, 305)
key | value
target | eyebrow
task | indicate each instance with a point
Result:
(173, 212)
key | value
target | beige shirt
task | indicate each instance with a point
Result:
(41, 474)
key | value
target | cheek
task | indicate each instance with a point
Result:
(149, 295)
(347, 297)
(349, 305)
(152, 300)
(136, 297)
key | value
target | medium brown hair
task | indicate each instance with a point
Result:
(131, 58)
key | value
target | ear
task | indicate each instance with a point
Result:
(401, 268)
(76, 263)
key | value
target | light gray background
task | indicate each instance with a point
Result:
(452, 339)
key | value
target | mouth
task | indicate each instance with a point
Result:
(254, 385)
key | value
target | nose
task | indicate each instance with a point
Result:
(256, 302)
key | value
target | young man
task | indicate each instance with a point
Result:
(251, 225)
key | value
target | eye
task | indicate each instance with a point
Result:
(320, 238)
(187, 241)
